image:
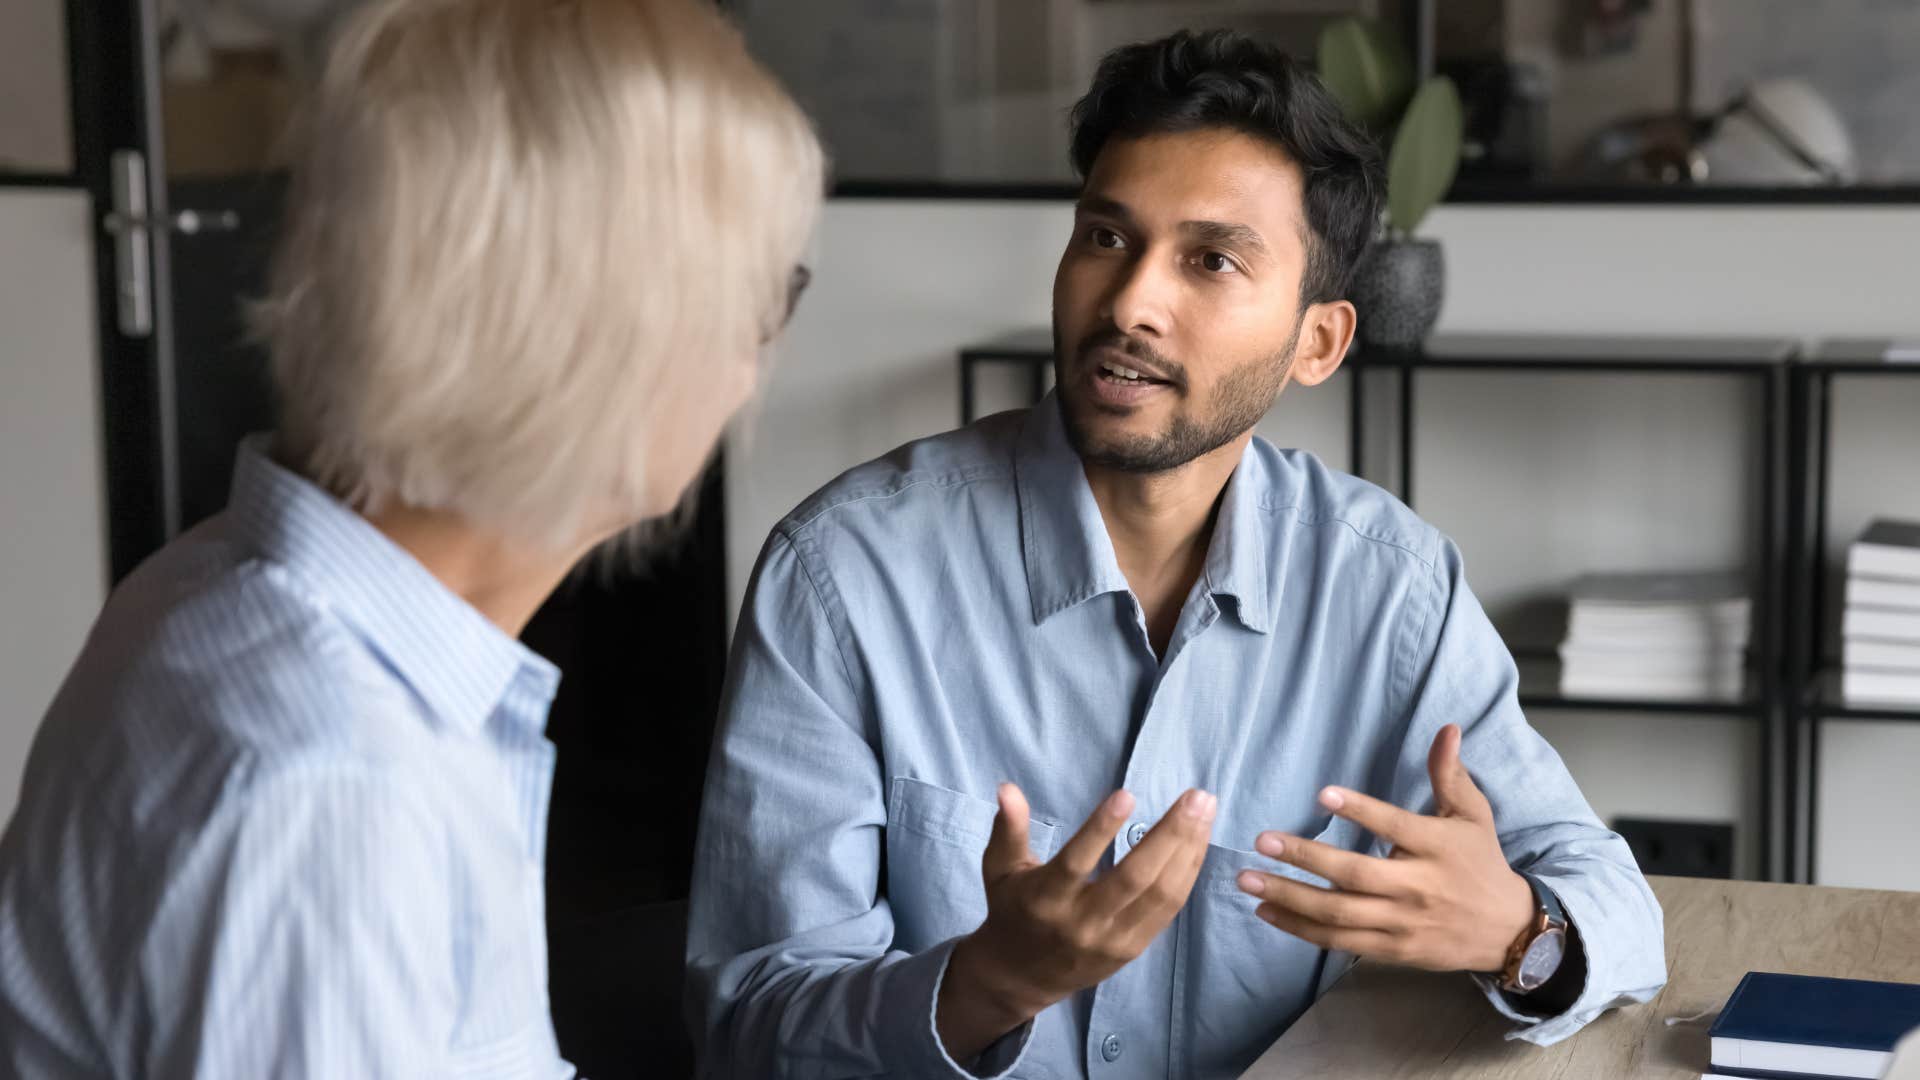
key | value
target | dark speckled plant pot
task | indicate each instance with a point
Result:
(1397, 290)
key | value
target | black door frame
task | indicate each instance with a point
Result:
(112, 69)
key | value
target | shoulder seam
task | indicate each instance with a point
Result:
(1393, 540)
(904, 483)
(827, 611)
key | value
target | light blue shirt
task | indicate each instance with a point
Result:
(952, 616)
(286, 818)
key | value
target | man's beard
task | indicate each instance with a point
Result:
(1240, 399)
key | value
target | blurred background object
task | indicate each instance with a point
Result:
(1401, 281)
(1779, 132)
(230, 70)
(1562, 98)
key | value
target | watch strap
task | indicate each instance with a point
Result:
(1549, 903)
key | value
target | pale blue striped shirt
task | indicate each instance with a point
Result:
(287, 817)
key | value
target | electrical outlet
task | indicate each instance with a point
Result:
(1679, 848)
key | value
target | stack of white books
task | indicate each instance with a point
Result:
(1669, 637)
(1881, 626)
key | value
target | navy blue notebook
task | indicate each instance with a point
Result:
(1800, 1026)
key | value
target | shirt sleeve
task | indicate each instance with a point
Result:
(309, 933)
(1459, 671)
(790, 965)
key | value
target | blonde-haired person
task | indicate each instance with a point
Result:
(287, 815)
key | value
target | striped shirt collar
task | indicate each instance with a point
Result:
(456, 660)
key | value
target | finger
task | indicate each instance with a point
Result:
(1007, 849)
(1349, 870)
(1374, 943)
(1401, 828)
(1081, 855)
(1454, 792)
(1143, 920)
(1154, 869)
(1328, 907)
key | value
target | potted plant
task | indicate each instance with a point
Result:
(1401, 280)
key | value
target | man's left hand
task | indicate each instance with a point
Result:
(1444, 899)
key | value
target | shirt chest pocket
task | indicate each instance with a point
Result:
(1241, 981)
(935, 838)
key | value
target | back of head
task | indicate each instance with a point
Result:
(523, 238)
(1223, 79)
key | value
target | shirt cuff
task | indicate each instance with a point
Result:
(1534, 1028)
(1600, 942)
(928, 1055)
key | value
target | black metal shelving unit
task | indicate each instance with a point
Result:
(1029, 351)
(1763, 361)
(1812, 670)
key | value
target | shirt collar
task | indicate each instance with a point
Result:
(457, 661)
(1063, 538)
(1238, 555)
(1069, 556)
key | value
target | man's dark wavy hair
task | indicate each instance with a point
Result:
(1223, 79)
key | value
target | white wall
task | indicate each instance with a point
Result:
(1617, 472)
(53, 559)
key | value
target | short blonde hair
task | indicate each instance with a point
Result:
(518, 232)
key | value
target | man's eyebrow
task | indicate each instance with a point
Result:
(1226, 234)
(1105, 207)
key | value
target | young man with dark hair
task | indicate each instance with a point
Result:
(914, 860)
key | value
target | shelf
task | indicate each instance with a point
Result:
(1825, 702)
(1857, 356)
(1531, 352)
(1540, 689)
(1747, 707)
(1023, 346)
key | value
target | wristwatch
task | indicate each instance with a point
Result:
(1536, 954)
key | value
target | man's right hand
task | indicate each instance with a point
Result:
(1053, 929)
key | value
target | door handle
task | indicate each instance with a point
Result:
(132, 243)
(132, 231)
(186, 222)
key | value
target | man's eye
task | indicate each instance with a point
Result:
(1105, 237)
(1215, 263)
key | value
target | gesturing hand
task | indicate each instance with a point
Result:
(1052, 929)
(1445, 899)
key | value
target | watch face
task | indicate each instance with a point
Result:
(1542, 959)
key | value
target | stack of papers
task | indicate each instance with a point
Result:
(1882, 622)
(1657, 636)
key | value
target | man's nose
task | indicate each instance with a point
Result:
(1141, 300)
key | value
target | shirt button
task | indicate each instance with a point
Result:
(1110, 1048)
(1135, 834)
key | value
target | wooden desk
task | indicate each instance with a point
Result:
(1382, 1021)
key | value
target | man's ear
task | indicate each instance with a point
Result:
(1325, 332)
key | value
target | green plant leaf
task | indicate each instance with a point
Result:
(1367, 70)
(1425, 154)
